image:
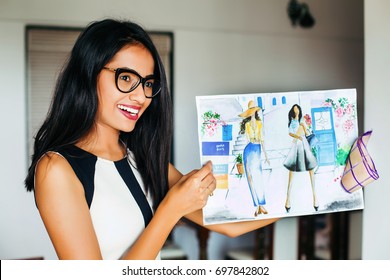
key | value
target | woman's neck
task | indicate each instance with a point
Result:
(103, 143)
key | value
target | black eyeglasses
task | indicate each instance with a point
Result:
(127, 80)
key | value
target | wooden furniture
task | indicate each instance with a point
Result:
(323, 237)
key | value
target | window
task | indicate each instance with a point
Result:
(47, 50)
(260, 102)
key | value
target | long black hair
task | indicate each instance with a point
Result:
(244, 121)
(75, 102)
(291, 114)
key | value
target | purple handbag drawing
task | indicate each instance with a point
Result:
(360, 168)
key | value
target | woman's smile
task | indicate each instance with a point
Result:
(130, 112)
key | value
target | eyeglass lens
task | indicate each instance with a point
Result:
(128, 81)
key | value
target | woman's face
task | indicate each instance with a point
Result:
(120, 111)
(296, 111)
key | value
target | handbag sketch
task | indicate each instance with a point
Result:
(360, 168)
(312, 139)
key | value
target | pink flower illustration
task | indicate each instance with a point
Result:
(348, 125)
(349, 109)
(339, 112)
(308, 120)
(211, 121)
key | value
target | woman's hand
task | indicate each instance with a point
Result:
(296, 137)
(191, 192)
(187, 194)
(266, 158)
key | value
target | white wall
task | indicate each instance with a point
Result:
(221, 46)
(376, 223)
(22, 234)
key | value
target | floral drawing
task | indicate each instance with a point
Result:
(308, 121)
(211, 121)
(345, 113)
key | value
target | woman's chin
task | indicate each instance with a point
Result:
(127, 127)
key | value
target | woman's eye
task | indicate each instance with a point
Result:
(149, 84)
(125, 78)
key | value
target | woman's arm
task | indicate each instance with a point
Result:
(299, 132)
(61, 202)
(261, 137)
(294, 130)
(228, 229)
(248, 134)
(265, 152)
(304, 128)
(189, 193)
(295, 136)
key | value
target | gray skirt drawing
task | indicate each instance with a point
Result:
(253, 172)
(300, 157)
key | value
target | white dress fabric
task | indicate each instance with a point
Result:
(119, 207)
(300, 157)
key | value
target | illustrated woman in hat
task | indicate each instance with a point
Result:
(253, 126)
(300, 157)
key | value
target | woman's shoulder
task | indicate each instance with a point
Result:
(54, 170)
(51, 162)
(61, 202)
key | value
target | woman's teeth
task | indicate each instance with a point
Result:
(130, 110)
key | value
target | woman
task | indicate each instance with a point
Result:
(100, 172)
(300, 157)
(253, 126)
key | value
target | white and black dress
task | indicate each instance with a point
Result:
(115, 194)
(300, 157)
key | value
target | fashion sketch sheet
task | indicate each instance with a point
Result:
(277, 154)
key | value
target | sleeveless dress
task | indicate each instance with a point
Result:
(300, 157)
(115, 194)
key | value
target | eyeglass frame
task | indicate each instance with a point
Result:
(141, 80)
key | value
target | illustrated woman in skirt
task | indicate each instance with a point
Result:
(300, 157)
(252, 125)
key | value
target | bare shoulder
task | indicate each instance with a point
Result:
(56, 186)
(51, 162)
(54, 176)
(63, 208)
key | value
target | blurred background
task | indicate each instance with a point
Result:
(209, 47)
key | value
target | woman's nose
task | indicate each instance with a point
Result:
(138, 94)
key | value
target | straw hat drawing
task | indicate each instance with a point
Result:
(252, 108)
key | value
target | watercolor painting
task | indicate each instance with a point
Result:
(278, 154)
